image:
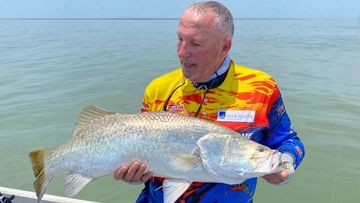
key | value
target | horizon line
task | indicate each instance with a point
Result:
(130, 18)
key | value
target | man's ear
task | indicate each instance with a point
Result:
(227, 45)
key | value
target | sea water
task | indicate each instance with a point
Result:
(51, 69)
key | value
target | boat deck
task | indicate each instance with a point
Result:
(22, 196)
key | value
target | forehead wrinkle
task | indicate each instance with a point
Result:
(204, 21)
(194, 34)
(198, 25)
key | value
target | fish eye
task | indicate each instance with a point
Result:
(261, 149)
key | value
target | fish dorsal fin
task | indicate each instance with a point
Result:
(88, 114)
(74, 183)
(174, 188)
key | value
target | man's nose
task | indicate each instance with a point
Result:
(183, 49)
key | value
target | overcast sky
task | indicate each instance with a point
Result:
(174, 8)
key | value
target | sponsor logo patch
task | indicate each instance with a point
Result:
(174, 108)
(236, 116)
(299, 151)
(280, 110)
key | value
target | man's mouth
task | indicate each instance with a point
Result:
(189, 65)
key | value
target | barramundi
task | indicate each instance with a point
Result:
(182, 149)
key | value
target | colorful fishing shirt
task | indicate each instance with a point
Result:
(248, 101)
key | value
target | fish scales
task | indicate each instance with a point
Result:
(107, 137)
(173, 146)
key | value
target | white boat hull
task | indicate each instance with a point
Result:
(22, 196)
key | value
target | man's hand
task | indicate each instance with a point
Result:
(285, 175)
(133, 173)
(276, 178)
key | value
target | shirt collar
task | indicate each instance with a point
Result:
(217, 78)
(222, 69)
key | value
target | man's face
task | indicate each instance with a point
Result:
(201, 46)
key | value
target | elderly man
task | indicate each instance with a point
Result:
(210, 85)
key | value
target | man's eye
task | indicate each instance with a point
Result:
(195, 44)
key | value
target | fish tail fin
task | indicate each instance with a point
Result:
(41, 182)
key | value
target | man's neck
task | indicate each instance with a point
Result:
(217, 78)
(222, 69)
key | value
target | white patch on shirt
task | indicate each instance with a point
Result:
(236, 116)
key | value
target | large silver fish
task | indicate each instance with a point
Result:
(182, 149)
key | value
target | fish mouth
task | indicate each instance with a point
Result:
(268, 162)
(274, 161)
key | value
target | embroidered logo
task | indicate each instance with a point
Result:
(176, 108)
(236, 115)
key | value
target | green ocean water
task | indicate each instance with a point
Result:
(51, 69)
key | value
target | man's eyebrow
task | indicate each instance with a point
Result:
(200, 40)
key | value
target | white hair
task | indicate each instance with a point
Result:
(223, 15)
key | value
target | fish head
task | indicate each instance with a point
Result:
(235, 157)
(262, 158)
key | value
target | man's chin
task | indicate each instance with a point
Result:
(188, 75)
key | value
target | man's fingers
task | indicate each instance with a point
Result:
(139, 173)
(119, 174)
(129, 175)
(134, 173)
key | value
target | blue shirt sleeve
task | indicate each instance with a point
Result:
(280, 135)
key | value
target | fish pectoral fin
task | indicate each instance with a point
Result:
(74, 183)
(184, 162)
(173, 189)
(88, 114)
